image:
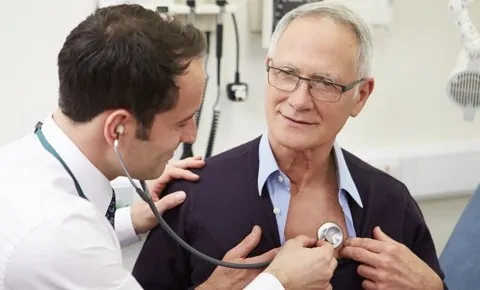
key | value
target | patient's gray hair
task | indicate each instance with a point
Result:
(337, 12)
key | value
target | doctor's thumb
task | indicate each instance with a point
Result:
(170, 201)
(242, 249)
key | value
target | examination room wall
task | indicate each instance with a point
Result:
(413, 60)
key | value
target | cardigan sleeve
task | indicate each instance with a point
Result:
(162, 263)
(418, 237)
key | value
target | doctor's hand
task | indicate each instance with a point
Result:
(304, 263)
(387, 264)
(175, 170)
(235, 279)
(143, 218)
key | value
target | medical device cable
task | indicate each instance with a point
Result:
(237, 49)
(237, 90)
(216, 107)
(219, 42)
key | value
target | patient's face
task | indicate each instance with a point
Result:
(312, 47)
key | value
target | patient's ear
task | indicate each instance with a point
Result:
(364, 91)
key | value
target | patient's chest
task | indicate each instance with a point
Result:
(310, 208)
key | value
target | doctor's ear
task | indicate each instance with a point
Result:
(116, 124)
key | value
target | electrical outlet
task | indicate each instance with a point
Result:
(237, 92)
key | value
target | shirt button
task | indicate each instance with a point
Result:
(280, 178)
(276, 210)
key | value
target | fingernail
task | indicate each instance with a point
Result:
(180, 196)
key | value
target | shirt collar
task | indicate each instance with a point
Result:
(94, 184)
(268, 165)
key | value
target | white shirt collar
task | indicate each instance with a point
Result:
(94, 184)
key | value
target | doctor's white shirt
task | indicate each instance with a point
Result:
(50, 237)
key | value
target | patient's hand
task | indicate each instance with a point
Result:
(231, 279)
(387, 264)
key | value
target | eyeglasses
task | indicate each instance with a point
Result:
(321, 89)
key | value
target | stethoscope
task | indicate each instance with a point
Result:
(329, 232)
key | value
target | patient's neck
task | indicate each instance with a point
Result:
(306, 167)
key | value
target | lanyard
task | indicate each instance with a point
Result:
(51, 150)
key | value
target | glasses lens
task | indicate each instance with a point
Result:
(325, 91)
(282, 80)
(320, 90)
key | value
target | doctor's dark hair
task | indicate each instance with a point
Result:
(125, 57)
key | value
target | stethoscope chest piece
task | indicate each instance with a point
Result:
(331, 233)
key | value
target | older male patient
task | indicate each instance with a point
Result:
(295, 177)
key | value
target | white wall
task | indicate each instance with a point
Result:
(32, 34)
(408, 107)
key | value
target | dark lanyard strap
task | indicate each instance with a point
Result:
(49, 148)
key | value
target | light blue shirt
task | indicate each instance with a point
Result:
(278, 186)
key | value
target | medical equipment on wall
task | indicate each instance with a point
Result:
(200, 15)
(219, 52)
(237, 91)
(463, 86)
(265, 14)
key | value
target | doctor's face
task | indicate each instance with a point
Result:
(147, 159)
(304, 114)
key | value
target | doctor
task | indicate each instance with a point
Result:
(126, 75)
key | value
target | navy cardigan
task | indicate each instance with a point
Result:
(223, 206)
